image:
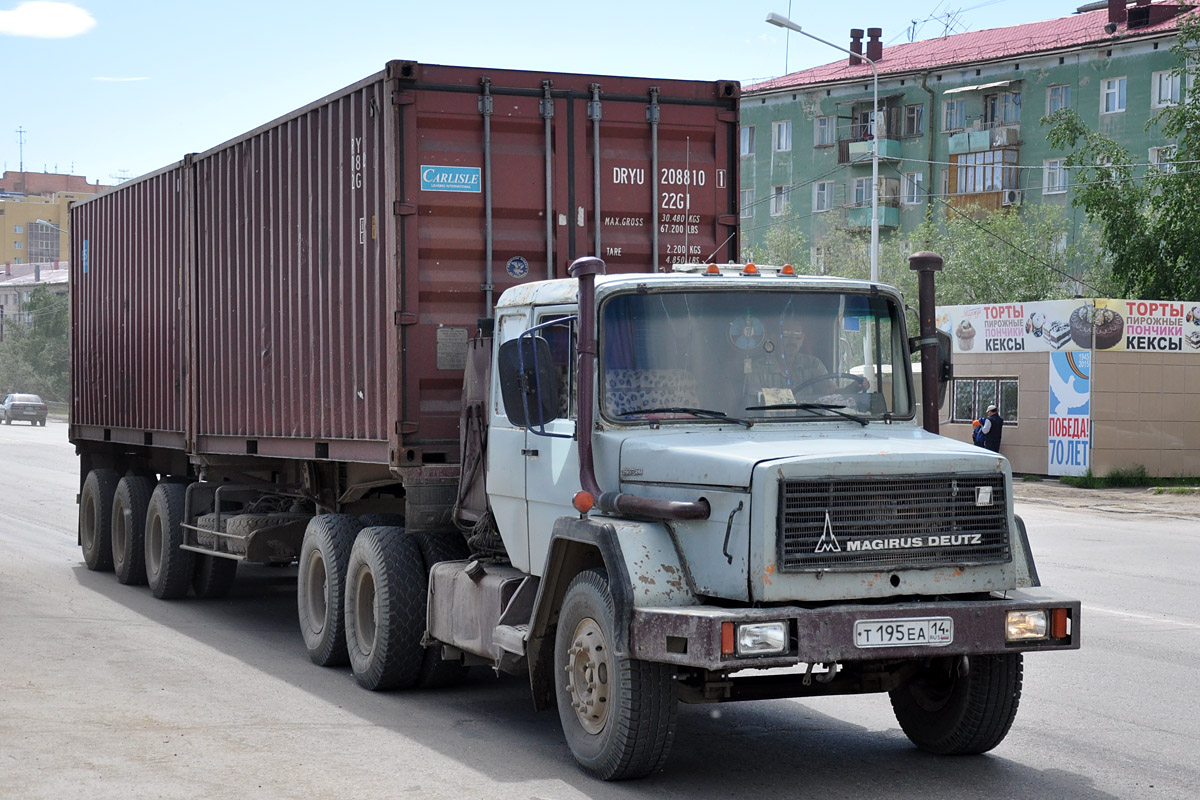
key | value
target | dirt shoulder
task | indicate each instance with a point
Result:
(1117, 501)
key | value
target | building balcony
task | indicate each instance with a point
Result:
(860, 216)
(857, 151)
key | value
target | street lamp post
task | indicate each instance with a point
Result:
(784, 22)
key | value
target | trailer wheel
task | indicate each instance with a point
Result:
(618, 714)
(212, 577)
(385, 603)
(95, 518)
(321, 586)
(169, 568)
(130, 502)
(949, 713)
(435, 547)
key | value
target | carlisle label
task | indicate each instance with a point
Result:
(450, 179)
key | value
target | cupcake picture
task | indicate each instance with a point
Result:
(965, 332)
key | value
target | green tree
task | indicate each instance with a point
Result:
(35, 355)
(1146, 213)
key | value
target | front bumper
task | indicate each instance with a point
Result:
(691, 636)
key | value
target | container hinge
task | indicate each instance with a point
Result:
(406, 318)
(727, 116)
(404, 426)
(402, 209)
(403, 98)
(485, 99)
(546, 105)
(654, 110)
(595, 108)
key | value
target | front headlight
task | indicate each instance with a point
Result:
(761, 638)
(1021, 626)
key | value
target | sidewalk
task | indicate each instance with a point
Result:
(1049, 491)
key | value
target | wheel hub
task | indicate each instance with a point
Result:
(588, 669)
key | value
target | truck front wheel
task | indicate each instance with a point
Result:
(617, 713)
(944, 711)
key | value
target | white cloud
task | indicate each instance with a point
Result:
(119, 80)
(46, 20)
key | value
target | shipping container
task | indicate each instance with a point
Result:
(307, 290)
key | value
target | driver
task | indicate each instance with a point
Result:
(780, 374)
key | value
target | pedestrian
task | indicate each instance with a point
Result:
(993, 425)
(977, 432)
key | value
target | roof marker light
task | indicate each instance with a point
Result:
(750, 269)
(713, 269)
(787, 269)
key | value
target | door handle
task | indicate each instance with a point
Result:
(529, 452)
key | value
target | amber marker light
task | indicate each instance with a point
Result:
(1058, 623)
(583, 502)
(787, 269)
(713, 269)
(726, 638)
(750, 269)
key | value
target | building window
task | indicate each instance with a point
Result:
(1054, 176)
(986, 171)
(1162, 158)
(1002, 108)
(1112, 95)
(945, 183)
(863, 123)
(862, 192)
(954, 115)
(18, 228)
(781, 136)
(747, 141)
(822, 195)
(18, 245)
(43, 242)
(746, 201)
(779, 200)
(1164, 89)
(823, 132)
(914, 120)
(972, 396)
(1057, 97)
(818, 259)
(914, 188)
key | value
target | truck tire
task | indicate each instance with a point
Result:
(169, 569)
(435, 547)
(618, 714)
(130, 502)
(212, 577)
(944, 712)
(95, 519)
(385, 603)
(321, 587)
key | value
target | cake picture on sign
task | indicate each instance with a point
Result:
(1057, 333)
(966, 335)
(1108, 323)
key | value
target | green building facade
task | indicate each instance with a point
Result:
(959, 123)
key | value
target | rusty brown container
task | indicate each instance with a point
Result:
(129, 258)
(337, 259)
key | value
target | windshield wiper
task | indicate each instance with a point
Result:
(696, 412)
(812, 407)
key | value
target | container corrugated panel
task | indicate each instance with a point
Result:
(128, 277)
(667, 194)
(294, 315)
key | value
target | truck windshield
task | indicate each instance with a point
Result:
(761, 356)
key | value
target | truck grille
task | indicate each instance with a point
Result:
(895, 522)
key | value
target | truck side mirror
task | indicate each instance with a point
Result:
(945, 365)
(528, 381)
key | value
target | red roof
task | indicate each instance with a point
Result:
(977, 46)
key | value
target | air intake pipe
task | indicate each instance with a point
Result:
(585, 271)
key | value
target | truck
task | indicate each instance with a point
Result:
(471, 351)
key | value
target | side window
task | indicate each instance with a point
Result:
(561, 337)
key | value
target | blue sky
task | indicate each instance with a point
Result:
(105, 88)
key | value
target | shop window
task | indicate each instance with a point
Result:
(972, 396)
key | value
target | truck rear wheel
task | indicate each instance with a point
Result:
(618, 714)
(95, 519)
(130, 502)
(948, 713)
(213, 576)
(169, 568)
(321, 586)
(385, 605)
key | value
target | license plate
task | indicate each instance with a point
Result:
(913, 631)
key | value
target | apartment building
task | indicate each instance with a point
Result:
(958, 120)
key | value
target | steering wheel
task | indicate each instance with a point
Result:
(848, 377)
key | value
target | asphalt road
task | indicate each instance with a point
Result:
(106, 692)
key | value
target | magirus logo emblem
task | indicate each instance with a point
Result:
(828, 543)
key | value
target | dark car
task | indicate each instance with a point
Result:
(24, 406)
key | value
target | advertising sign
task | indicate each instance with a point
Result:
(1070, 424)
